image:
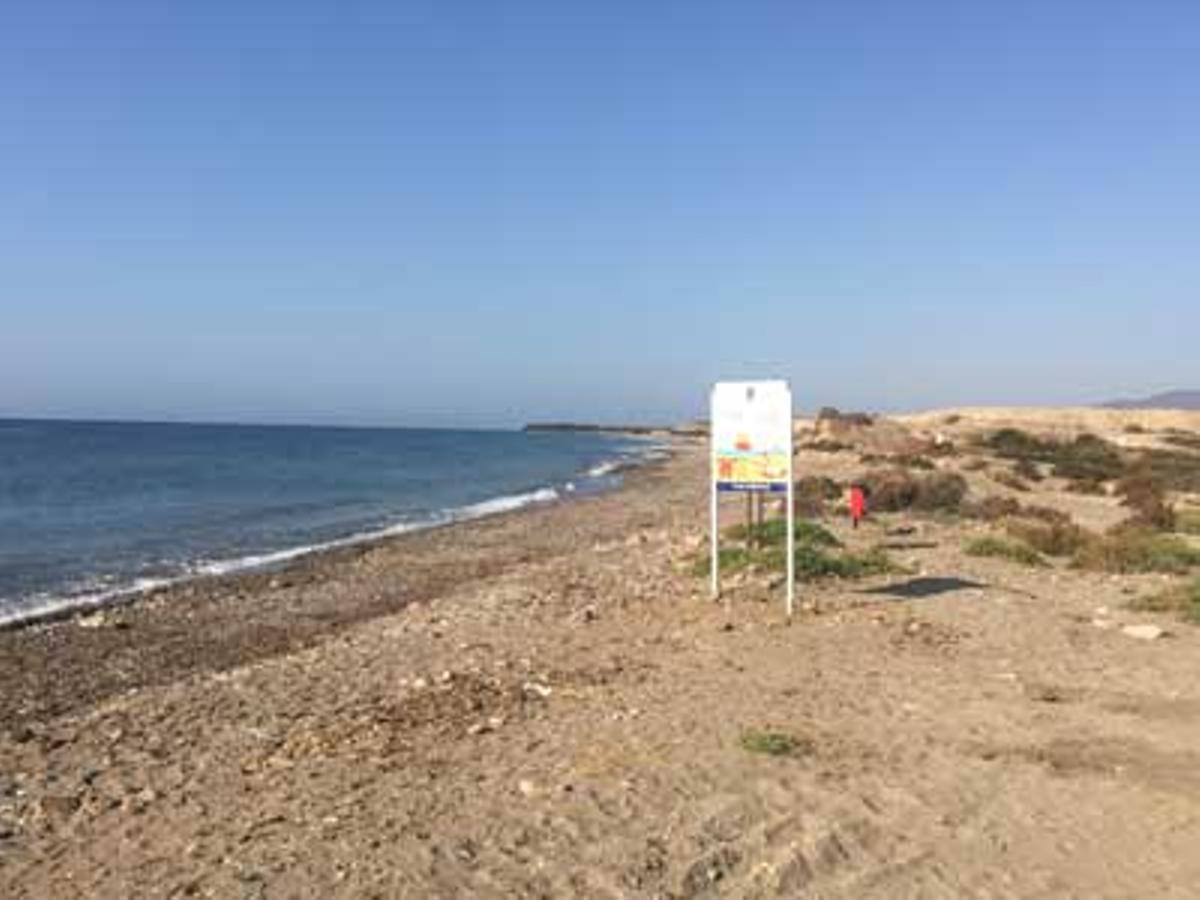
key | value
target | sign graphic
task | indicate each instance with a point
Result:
(752, 435)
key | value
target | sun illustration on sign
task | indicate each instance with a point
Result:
(743, 443)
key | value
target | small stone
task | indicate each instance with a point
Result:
(526, 787)
(532, 688)
(1144, 632)
(419, 684)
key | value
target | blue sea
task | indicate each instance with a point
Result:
(91, 511)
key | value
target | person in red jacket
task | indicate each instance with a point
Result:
(858, 503)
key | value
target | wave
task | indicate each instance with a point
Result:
(47, 606)
(101, 592)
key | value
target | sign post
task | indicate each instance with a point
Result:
(751, 436)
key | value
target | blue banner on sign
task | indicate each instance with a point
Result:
(752, 487)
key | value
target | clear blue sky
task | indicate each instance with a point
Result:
(478, 213)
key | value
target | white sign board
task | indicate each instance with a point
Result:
(751, 434)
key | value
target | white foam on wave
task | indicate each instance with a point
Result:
(605, 468)
(47, 606)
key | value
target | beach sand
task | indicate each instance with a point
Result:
(547, 704)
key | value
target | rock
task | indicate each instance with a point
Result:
(1144, 632)
(1103, 623)
(533, 689)
(95, 620)
(419, 684)
(526, 787)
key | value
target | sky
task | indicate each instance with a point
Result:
(479, 213)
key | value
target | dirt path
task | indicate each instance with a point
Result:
(570, 721)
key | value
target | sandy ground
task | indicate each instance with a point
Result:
(547, 705)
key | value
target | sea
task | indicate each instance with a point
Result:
(91, 512)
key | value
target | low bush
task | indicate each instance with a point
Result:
(1086, 486)
(1045, 513)
(1057, 538)
(773, 533)
(902, 460)
(1188, 521)
(998, 548)
(1183, 600)
(832, 414)
(814, 563)
(824, 445)
(1132, 550)
(992, 508)
(1028, 470)
(1175, 470)
(1188, 440)
(894, 490)
(1144, 495)
(817, 553)
(1086, 458)
(1010, 480)
(813, 493)
(1016, 444)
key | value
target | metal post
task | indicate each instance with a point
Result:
(714, 524)
(791, 522)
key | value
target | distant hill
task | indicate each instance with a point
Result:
(1166, 400)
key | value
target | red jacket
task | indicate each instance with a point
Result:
(858, 502)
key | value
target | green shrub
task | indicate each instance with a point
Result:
(1188, 521)
(1130, 550)
(731, 560)
(815, 553)
(1183, 600)
(773, 533)
(813, 563)
(999, 548)
(774, 743)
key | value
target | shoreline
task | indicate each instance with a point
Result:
(68, 607)
(159, 620)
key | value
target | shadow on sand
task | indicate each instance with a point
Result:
(919, 588)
